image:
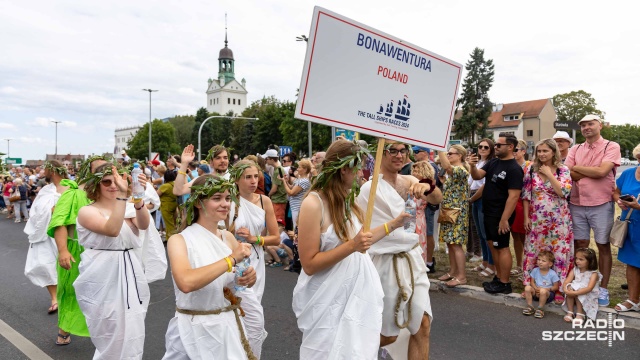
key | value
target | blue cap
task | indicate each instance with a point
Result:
(420, 148)
(136, 165)
(204, 168)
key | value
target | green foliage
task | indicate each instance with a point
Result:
(271, 113)
(474, 99)
(183, 124)
(627, 135)
(163, 140)
(575, 105)
(295, 133)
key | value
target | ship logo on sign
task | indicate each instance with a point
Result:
(403, 109)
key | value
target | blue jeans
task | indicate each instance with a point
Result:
(478, 218)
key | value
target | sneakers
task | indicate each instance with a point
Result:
(475, 258)
(498, 288)
(486, 283)
(603, 298)
(432, 267)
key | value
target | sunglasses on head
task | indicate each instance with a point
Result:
(106, 182)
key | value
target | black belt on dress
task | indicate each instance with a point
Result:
(125, 252)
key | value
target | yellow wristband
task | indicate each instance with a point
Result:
(230, 267)
(386, 228)
(180, 172)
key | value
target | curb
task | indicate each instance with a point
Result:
(631, 318)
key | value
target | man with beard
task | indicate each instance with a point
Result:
(40, 267)
(218, 158)
(502, 188)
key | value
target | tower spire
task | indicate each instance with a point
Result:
(225, 30)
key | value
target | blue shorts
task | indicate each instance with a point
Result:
(288, 243)
(430, 220)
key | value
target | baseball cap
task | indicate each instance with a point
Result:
(122, 152)
(281, 222)
(204, 168)
(590, 117)
(155, 162)
(271, 153)
(419, 148)
(563, 135)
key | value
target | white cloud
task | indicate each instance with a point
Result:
(7, 126)
(8, 90)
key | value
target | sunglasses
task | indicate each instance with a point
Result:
(106, 182)
(498, 145)
(483, 147)
(450, 153)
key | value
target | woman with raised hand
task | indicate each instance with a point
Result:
(112, 289)
(486, 152)
(207, 322)
(250, 220)
(338, 297)
(298, 190)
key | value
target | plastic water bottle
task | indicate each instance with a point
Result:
(410, 222)
(138, 189)
(241, 267)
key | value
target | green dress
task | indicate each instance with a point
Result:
(70, 317)
(455, 194)
(168, 205)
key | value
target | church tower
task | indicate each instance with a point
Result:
(225, 94)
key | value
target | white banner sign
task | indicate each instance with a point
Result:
(361, 79)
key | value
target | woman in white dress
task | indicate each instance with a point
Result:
(338, 297)
(112, 289)
(207, 322)
(250, 220)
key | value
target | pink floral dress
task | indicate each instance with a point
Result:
(421, 226)
(551, 225)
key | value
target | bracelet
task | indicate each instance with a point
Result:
(180, 172)
(259, 240)
(230, 267)
(235, 262)
(140, 208)
(122, 199)
(431, 189)
(386, 228)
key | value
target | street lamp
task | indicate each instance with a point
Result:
(150, 91)
(56, 122)
(202, 125)
(8, 148)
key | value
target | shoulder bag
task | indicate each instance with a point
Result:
(448, 215)
(619, 230)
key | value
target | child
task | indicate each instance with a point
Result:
(544, 283)
(582, 287)
(280, 251)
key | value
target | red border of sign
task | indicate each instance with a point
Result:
(452, 113)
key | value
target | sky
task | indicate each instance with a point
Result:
(85, 63)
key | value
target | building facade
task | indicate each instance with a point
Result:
(225, 93)
(122, 138)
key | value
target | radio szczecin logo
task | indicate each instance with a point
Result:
(608, 330)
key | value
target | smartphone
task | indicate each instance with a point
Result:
(626, 197)
(280, 172)
(474, 150)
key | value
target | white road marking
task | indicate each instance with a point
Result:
(24, 345)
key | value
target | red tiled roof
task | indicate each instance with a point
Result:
(528, 109)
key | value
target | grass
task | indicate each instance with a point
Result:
(618, 272)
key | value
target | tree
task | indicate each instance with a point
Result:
(295, 133)
(271, 113)
(163, 140)
(184, 129)
(575, 105)
(474, 99)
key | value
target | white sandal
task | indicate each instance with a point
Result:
(479, 268)
(623, 308)
(487, 272)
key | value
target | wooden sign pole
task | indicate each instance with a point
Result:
(374, 185)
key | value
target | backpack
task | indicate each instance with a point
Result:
(267, 183)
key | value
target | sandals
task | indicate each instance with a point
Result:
(568, 317)
(53, 309)
(445, 277)
(479, 268)
(528, 311)
(455, 282)
(516, 272)
(64, 339)
(286, 268)
(578, 320)
(539, 314)
(623, 308)
(269, 263)
(276, 264)
(487, 272)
